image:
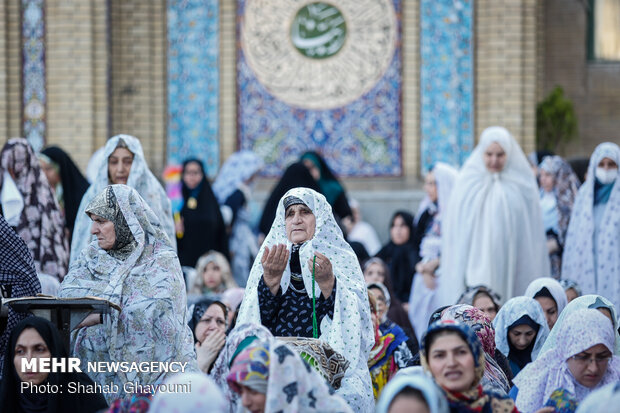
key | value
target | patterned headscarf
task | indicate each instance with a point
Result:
(554, 288)
(565, 189)
(585, 301)
(221, 366)
(513, 310)
(290, 384)
(350, 332)
(568, 284)
(204, 396)
(578, 261)
(601, 399)
(140, 178)
(433, 396)
(475, 398)
(147, 284)
(17, 272)
(237, 169)
(41, 224)
(251, 369)
(106, 206)
(494, 378)
(582, 330)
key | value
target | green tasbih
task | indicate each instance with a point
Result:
(315, 329)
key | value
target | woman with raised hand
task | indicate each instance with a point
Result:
(492, 232)
(124, 163)
(306, 282)
(132, 264)
(592, 250)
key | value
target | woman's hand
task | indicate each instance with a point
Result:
(427, 270)
(207, 351)
(323, 274)
(90, 320)
(274, 263)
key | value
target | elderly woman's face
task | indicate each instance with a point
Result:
(104, 230)
(494, 158)
(30, 345)
(300, 223)
(451, 363)
(212, 320)
(119, 165)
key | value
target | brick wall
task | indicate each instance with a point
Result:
(594, 87)
(137, 79)
(506, 72)
(10, 70)
(76, 76)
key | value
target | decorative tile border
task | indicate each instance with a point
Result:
(359, 137)
(446, 81)
(34, 93)
(193, 82)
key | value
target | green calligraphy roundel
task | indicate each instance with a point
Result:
(319, 30)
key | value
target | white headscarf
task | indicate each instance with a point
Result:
(145, 279)
(204, 395)
(422, 300)
(237, 169)
(582, 330)
(585, 301)
(492, 232)
(555, 289)
(445, 175)
(578, 260)
(432, 394)
(514, 309)
(351, 332)
(140, 178)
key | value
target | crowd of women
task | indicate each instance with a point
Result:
(498, 295)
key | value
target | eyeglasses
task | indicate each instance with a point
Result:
(586, 359)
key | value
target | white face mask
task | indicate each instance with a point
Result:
(606, 176)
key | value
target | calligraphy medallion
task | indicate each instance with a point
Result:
(316, 55)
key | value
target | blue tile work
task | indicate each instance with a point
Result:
(193, 82)
(359, 138)
(446, 81)
(34, 94)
